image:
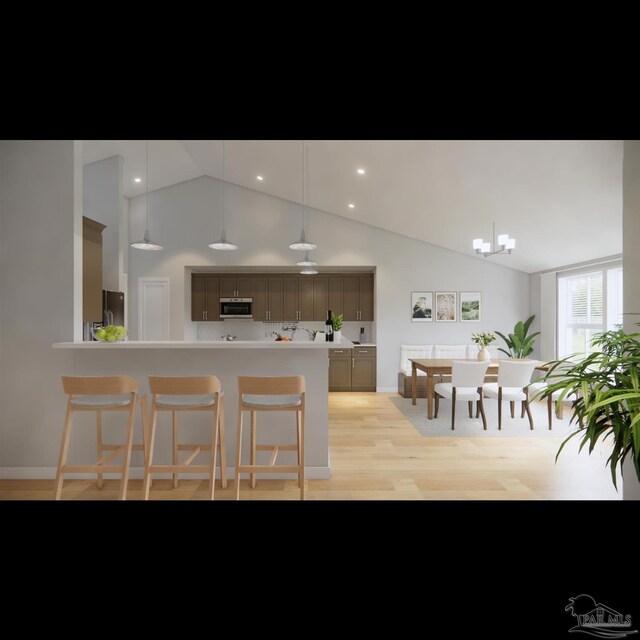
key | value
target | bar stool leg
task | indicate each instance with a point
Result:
(214, 451)
(64, 450)
(300, 424)
(145, 431)
(253, 448)
(147, 470)
(124, 482)
(175, 447)
(99, 434)
(298, 444)
(223, 447)
(238, 452)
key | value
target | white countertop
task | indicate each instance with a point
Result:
(201, 344)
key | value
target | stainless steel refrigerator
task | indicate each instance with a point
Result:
(112, 307)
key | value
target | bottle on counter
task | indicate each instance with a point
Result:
(328, 327)
(361, 338)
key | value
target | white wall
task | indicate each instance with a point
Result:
(102, 200)
(40, 239)
(184, 218)
(631, 269)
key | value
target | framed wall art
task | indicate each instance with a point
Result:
(470, 306)
(422, 306)
(446, 306)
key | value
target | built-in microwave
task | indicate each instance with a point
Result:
(236, 308)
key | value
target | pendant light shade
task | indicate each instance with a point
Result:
(146, 243)
(309, 271)
(223, 244)
(307, 262)
(303, 244)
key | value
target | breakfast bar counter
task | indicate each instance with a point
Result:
(227, 360)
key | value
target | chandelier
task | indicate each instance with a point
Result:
(506, 244)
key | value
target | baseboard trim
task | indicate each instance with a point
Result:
(137, 473)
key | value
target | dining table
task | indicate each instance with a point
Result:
(443, 366)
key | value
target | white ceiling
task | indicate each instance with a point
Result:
(560, 199)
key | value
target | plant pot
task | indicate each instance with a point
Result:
(483, 354)
(337, 336)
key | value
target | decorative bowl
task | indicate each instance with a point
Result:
(110, 333)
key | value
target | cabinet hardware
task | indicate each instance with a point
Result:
(353, 362)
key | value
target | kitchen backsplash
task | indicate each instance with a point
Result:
(250, 330)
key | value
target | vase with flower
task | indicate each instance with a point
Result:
(483, 339)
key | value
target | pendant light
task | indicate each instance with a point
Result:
(303, 244)
(309, 271)
(306, 262)
(146, 243)
(223, 244)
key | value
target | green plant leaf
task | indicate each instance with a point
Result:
(528, 322)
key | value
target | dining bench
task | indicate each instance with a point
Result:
(426, 351)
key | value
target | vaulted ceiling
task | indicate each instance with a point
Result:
(560, 199)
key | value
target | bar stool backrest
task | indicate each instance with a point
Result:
(270, 385)
(99, 385)
(184, 385)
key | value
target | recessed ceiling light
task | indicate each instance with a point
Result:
(261, 178)
(361, 171)
(137, 179)
(352, 206)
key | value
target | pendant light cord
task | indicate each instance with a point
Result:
(304, 193)
(308, 194)
(147, 227)
(223, 220)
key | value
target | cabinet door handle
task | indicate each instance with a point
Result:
(353, 362)
(203, 315)
(338, 351)
(363, 351)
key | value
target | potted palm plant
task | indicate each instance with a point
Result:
(606, 388)
(520, 344)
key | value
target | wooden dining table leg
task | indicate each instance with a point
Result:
(414, 382)
(429, 395)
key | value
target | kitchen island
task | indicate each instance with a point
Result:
(226, 360)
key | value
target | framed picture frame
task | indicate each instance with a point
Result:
(446, 306)
(470, 306)
(422, 306)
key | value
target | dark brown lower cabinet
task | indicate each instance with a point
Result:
(352, 369)
(340, 369)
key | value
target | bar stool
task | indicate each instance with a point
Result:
(270, 393)
(189, 393)
(101, 393)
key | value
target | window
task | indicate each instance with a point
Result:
(589, 302)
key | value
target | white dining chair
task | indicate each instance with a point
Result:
(536, 388)
(465, 386)
(512, 385)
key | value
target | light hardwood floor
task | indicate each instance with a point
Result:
(377, 455)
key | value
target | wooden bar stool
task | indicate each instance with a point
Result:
(270, 393)
(189, 393)
(102, 393)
